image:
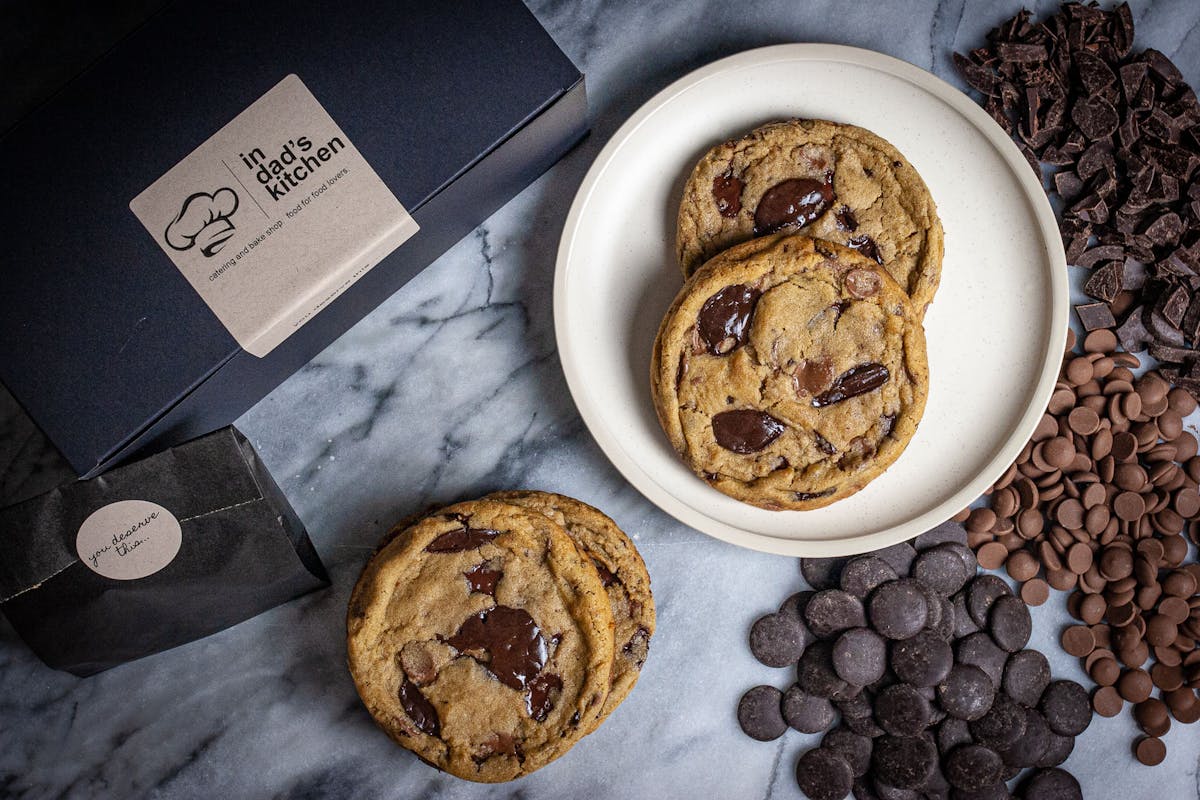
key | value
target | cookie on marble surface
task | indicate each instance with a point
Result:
(789, 372)
(622, 572)
(835, 182)
(481, 639)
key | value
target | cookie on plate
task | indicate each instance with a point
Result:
(789, 372)
(481, 639)
(835, 182)
(622, 572)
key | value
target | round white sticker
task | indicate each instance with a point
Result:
(128, 539)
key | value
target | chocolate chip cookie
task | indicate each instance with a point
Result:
(789, 372)
(481, 639)
(622, 572)
(835, 182)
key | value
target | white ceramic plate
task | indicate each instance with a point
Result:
(996, 330)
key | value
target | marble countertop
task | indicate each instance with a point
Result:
(398, 414)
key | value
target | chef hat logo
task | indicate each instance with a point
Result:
(203, 221)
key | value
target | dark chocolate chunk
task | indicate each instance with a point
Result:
(746, 430)
(1132, 333)
(792, 203)
(544, 690)
(898, 609)
(922, 660)
(760, 715)
(977, 77)
(966, 693)
(419, 709)
(1094, 316)
(832, 610)
(724, 319)
(1105, 282)
(482, 579)
(823, 444)
(846, 220)
(860, 656)
(853, 382)
(1095, 116)
(727, 193)
(1094, 73)
(778, 640)
(973, 766)
(1026, 676)
(905, 762)
(866, 245)
(465, 538)
(506, 641)
(824, 775)
(806, 712)
(1066, 707)
(1105, 252)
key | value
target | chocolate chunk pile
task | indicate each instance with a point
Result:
(1122, 131)
(926, 663)
(1098, 502)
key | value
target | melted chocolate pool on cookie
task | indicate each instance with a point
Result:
(792, 203)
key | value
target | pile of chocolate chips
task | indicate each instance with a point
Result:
(1098, 502)
(927, 665)
(1122, 129)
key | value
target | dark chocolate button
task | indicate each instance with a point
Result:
(1058, 750)
(900, 556)
(982, 592)
(905, 762)
(506, 641)
(1009, 623)
(1026, 676)
(777, 640)
(922, 660)
(822, 573)
(942, 569)
(952, 732)
(851, 746)
(885, 792)
(948, 531)
(863, 574)
(966, 693)
(901, 710)
(898, 610)
(824, 775)
(760, 715)
(815, 673)
(832, 610)
(806, 712)
(964, 623)
(997, 791)
(724, 320)
(1030, 747)
(1051, 784)
(1066, 707)
(979, 649)
(792, 203)
(860, 656)
(794, 607)
(945, 619)
(973, 766)
(746, 430)
(1003, 723)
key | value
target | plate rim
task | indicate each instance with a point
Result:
(641, 480)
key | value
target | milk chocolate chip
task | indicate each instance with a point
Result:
(724, 320)
(746, 430)
(853, 382)
(862, 283)
(506, 641)
(727, 192)
(813, 376)
(792, 203)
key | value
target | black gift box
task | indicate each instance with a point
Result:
(455, 106)
(204, 519)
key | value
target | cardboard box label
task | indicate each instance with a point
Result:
(129, 539)
(273, 217)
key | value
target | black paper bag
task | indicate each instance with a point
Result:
(152, 555)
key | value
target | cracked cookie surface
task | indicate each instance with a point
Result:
(481, 639)
(840, 183)
(622, 572)
(789, 372)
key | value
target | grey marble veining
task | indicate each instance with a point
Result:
(450, 389)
